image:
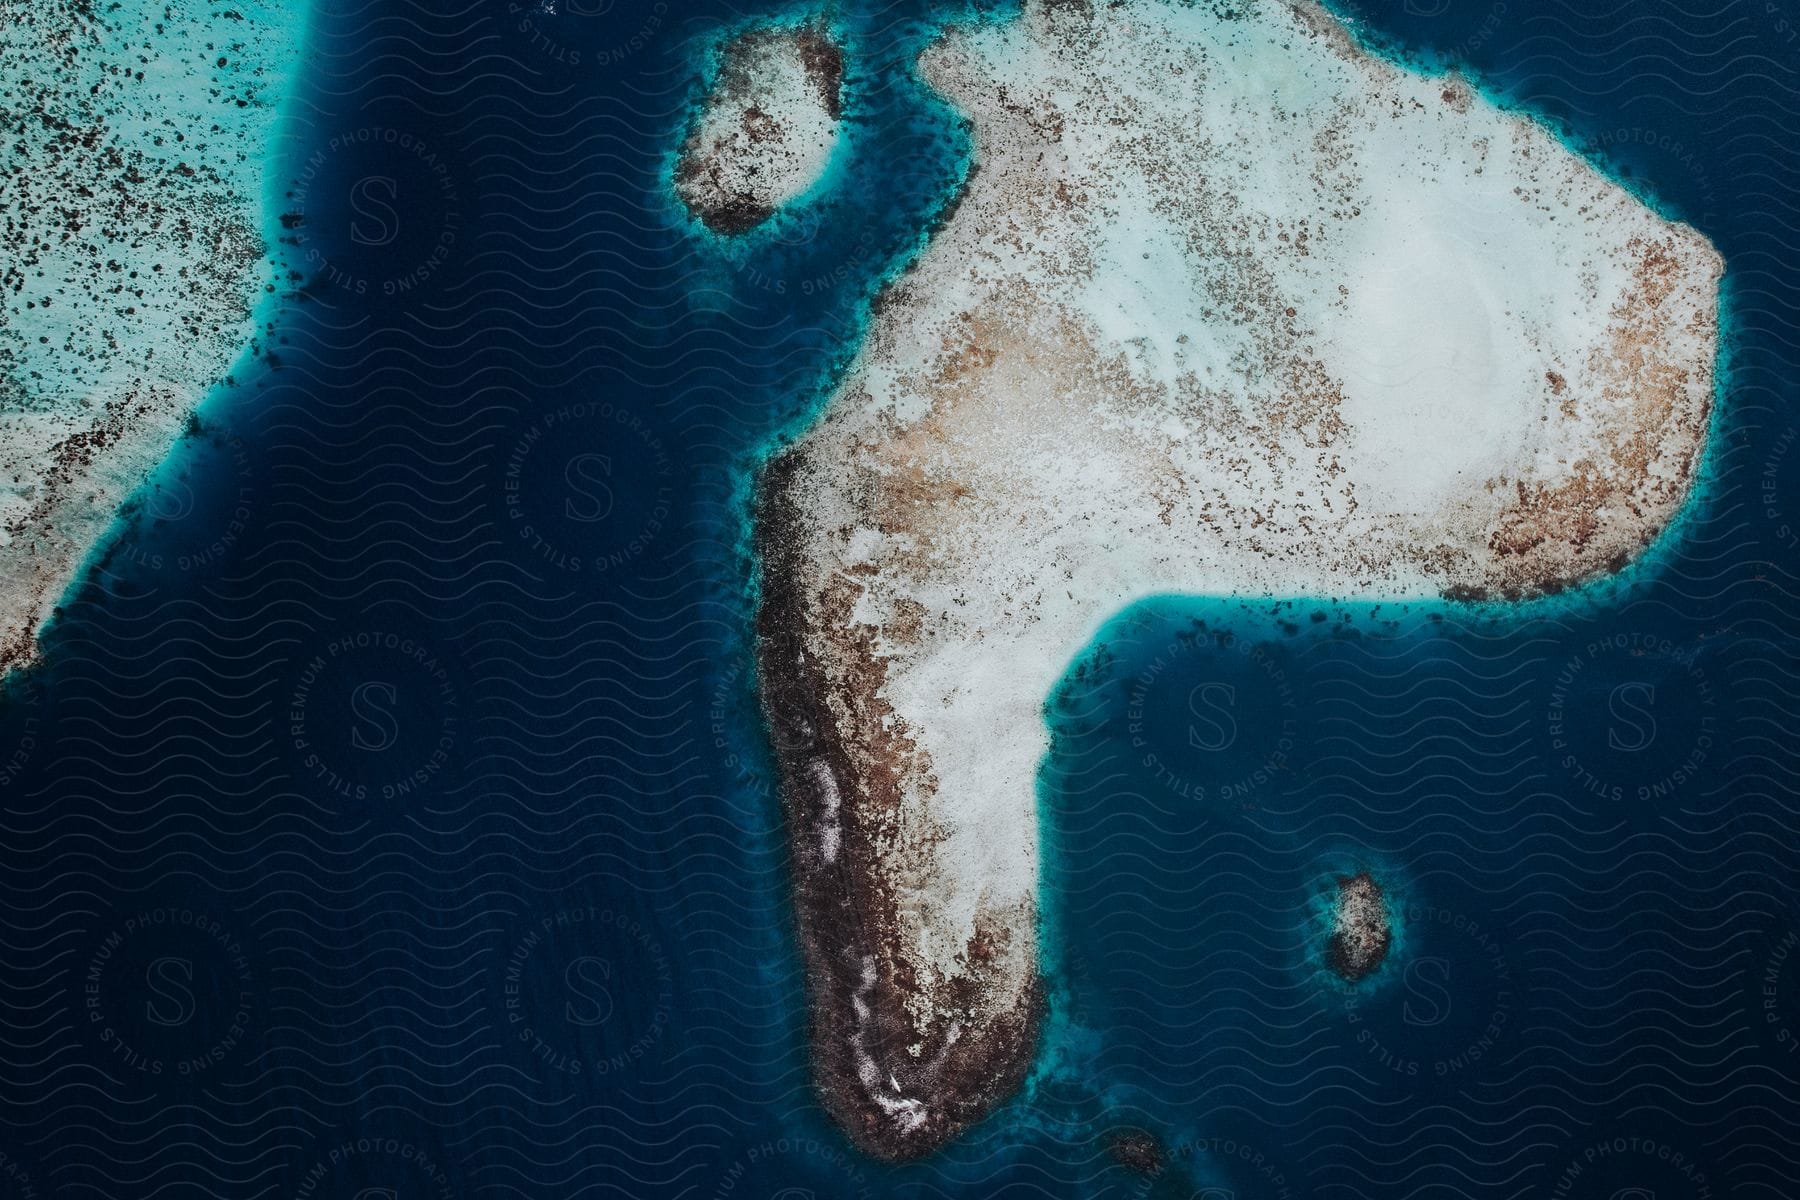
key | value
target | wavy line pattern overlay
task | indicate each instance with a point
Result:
(390, 817)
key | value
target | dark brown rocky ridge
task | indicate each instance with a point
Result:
(871, 1060)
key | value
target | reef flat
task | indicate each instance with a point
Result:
(767, 128)
(1229, 306)
(131, 255)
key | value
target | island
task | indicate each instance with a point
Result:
(766, 130)
(130, 259)
(1361, 928)
(1229, 305)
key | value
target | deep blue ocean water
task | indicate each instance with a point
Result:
(390, 817)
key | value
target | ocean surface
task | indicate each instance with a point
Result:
(390, 816)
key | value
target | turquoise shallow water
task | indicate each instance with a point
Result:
(391, 811)
(169, 114)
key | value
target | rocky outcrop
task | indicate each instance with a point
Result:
(1361, 929)
(767, 128)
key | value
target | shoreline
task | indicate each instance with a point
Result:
(897, 1086)
(76, 517)
(841, 499)
(723, 61)
(1646, 562)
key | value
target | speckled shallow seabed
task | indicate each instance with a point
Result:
(139, 232)
(1181, 958)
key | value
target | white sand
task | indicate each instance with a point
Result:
(1231, 308)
